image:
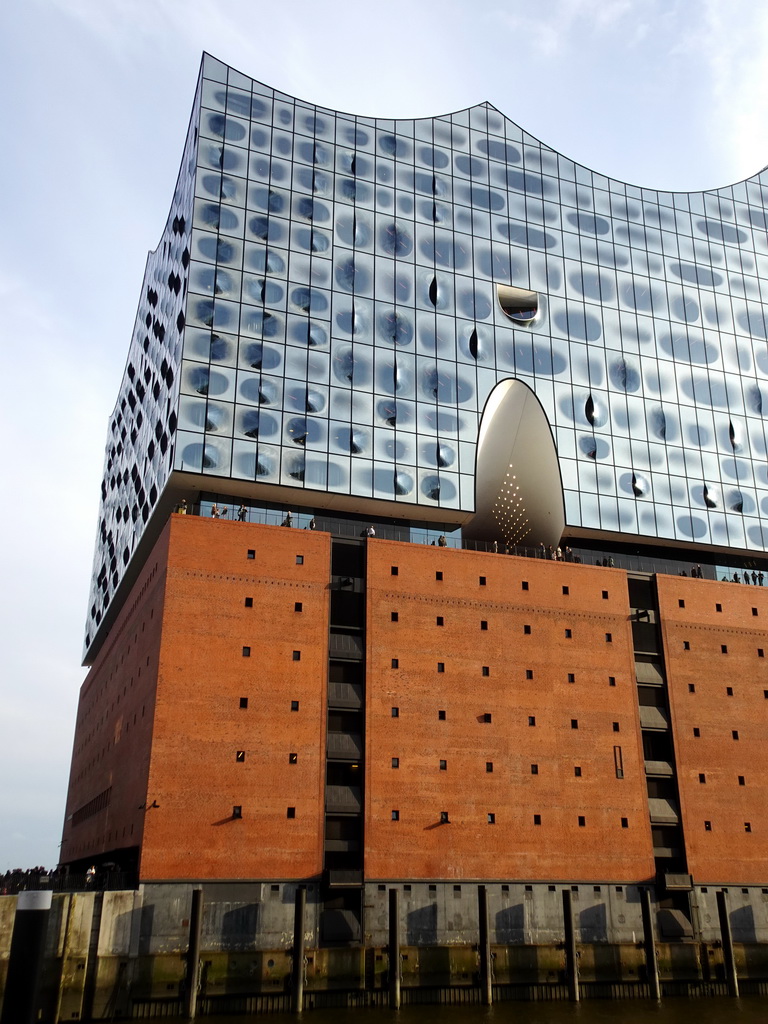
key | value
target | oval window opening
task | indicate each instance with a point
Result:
(518, 304)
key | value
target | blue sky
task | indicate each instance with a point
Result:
(670, 94)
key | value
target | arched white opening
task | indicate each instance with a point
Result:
(518, 490)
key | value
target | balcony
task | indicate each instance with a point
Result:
(346, 646)
(343, 799)
(659, 769)
(663, 811)
(345, 695)
(345, 746)
(654, 719)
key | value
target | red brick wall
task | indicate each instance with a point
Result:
(417, 845)
(199, 726)
(113, 730)
(726, 853)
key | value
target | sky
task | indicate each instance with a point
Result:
(669, 94)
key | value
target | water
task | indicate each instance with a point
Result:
(748, 1010)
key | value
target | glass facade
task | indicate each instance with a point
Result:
(335, 298)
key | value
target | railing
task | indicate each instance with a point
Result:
(60, 881)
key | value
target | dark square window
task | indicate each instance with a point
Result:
(298, 606)
(582, 821)
(537, 819)
(486, 671)
(395, 712)
(443, 766)
(605, 595)
(297, 655)
(240, 755)
(483, 624)
(534, 769)
(441, 666)
(246, 652)
(487, 717)
(723, 648)
(718, 607)
(482, 581)
(529, 673)
(445, 820)
(243, 702)
(290, 812)
(294, 705)
(577, 771)
(299, 559)
(293, 758)
(250, 553)
(754, 611)
(702, 778)
(395, 663)
(747, 826)
(441, 716)
(571, 677)
(395, 762)
(611, 680)
(691, 688)
(686, 645)
(524, 584)
(249, 602)
(393, 616)
(237, 811)
(760, 652)
(568, 634)
(438, 575)
(616, 727)
(531, 719)
(394, 570)
(729, 691)
(489, 766)
(566, 590)
(395, 815)
(707, 826)
(574, 723)
(624, 823)
(680, 603)
(526, 629)
(440, 620)
(742, 781)
(609, 638)
(735, 734)
(491, 819)
(696, 731)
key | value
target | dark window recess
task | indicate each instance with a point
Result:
(394, 570)
(566, 590)
(686, 645)
(680, 603)
(395, 663)
(395, 814)
(526, 629)
(577, 771)
(568, 634)
(483, 624)
(249, 602)
(290, 812)
(616, 727)
(691, 688)
(297, 655)
(707, 826)
(441, 666)
(393, 616)
(742, 781)
(574, 723)
(696, 731)
(293, 758)
(246, 652)
(438, 575)
(529, 673)
(395, 712)
(747, 826)
(729, 691)
(571, 677)
(491, 819)
(482, 581)
(441, 716)
(299, 559)
(618, 762)
(537, 819)
(294, 705)
(524, 584)
(298, 606)
(489, 766)
(624, 823)
(723, 648)
(609, 638)
(605, 595)
(760, 652)
(718, 607)
(251, 553)
(395, 762)
(754, 611)
(445, 820)
(487, 717)
(243, 702)
(237, 811)
(534, 769)
(240, 755)
(702, 778)
(531, 720)
(486, 670)
(735, 734)
(440, 620)
(611, 680)
(443, 766)
(582, 821)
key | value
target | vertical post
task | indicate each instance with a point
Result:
(394, 949)
(571, 961)
(725, 932)
(193, 954)
(26, 958)
(299, 928)
(486, 978)
(649, 939)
